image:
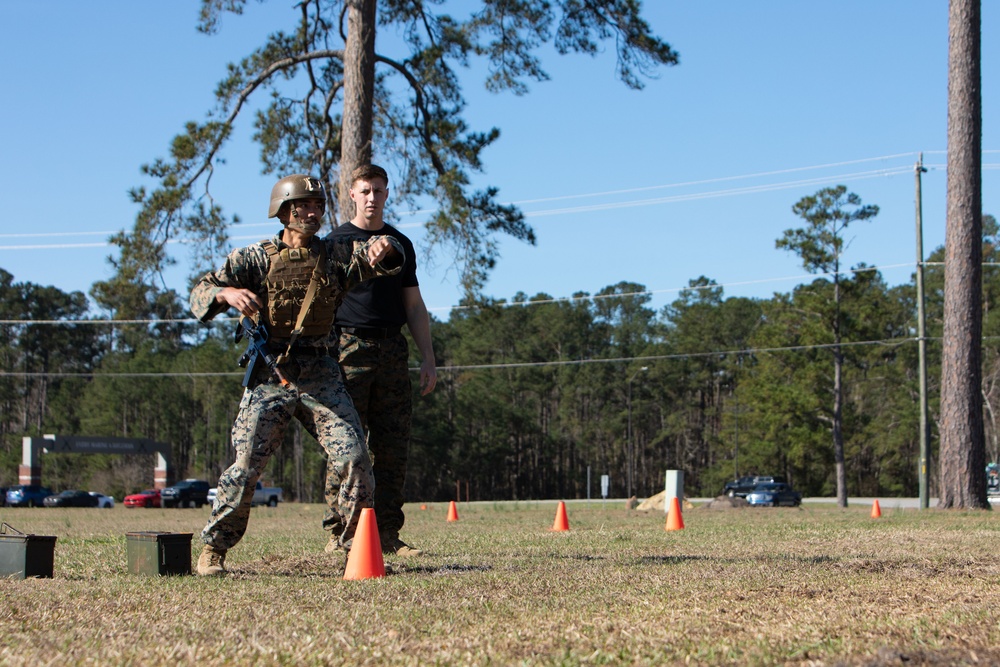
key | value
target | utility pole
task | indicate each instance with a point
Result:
(922, 341)
(629, 454)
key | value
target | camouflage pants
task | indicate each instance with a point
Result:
(377, 376)
(316, 397)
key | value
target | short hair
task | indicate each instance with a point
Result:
(367, 172)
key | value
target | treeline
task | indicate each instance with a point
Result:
(537, 397)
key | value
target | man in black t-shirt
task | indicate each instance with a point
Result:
(374, 357)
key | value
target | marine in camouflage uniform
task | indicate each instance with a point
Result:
(269, 280)
(374, 356)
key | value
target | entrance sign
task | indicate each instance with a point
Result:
(30, 470)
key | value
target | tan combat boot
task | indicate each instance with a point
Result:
(211, 562)
(333, 545)
(394, 545)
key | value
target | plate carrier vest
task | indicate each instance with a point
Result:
(287, 282)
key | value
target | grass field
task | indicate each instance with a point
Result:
(816, 585)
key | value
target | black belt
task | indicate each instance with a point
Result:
(310, 352)
(372, 333)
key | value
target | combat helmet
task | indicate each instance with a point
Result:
(296, 186)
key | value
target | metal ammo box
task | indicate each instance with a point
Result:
(155, 553)
(23, 556)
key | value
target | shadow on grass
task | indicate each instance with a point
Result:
(670, 560)
(674, 560)
(441, 570)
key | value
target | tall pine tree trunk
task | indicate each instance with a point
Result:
(962, 456)
(359, 96)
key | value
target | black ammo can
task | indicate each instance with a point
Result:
(156, 553)
(23, 556)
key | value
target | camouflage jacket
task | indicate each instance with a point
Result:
(247, 268)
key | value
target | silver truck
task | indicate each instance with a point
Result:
(262, 495)
(267, 495)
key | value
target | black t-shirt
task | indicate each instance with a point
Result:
(377, 302)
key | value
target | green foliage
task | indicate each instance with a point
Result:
(533, 394)
(827, 213)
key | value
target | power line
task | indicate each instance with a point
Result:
(722, 193)
(889, 171)
(891, 342)
(702, 182)
(188, 320)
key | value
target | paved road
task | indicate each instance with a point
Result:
(883, 503)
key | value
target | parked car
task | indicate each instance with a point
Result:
(71, 498)
(103, 501)
(993, 480)
(187, 493)
(147, 498)
(774, 494)
(3, 496)
(27, 495)
(744, 485)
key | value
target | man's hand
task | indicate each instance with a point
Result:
(243, 300)
(428, 377)
(379, 250)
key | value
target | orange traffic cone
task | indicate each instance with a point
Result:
(561, 523)
(365, 560)
(876, 510)
(453, 511)
(674, 519)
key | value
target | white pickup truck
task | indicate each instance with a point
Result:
(262, 495)
(267, 495)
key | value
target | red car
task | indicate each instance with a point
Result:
(147, 498)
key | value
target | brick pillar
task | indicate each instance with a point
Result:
(29, 474)
(30, 470)
(160, 472)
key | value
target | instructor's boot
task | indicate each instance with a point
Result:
(211, 562)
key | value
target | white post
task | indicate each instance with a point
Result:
(674, 488)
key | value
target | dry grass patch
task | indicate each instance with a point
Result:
(810, 586)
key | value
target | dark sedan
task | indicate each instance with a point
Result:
(774, 494)
(744, 485)
(71, 499)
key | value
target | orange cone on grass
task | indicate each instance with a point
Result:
(876, 510)
(674, 519)
(453, 511)
(561, 522)
(365, 559)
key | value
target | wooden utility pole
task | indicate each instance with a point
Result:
(925, 452)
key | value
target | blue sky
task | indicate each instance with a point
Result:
(694, 175)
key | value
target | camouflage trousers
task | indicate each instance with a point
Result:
(316, 396)
(377, 376)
